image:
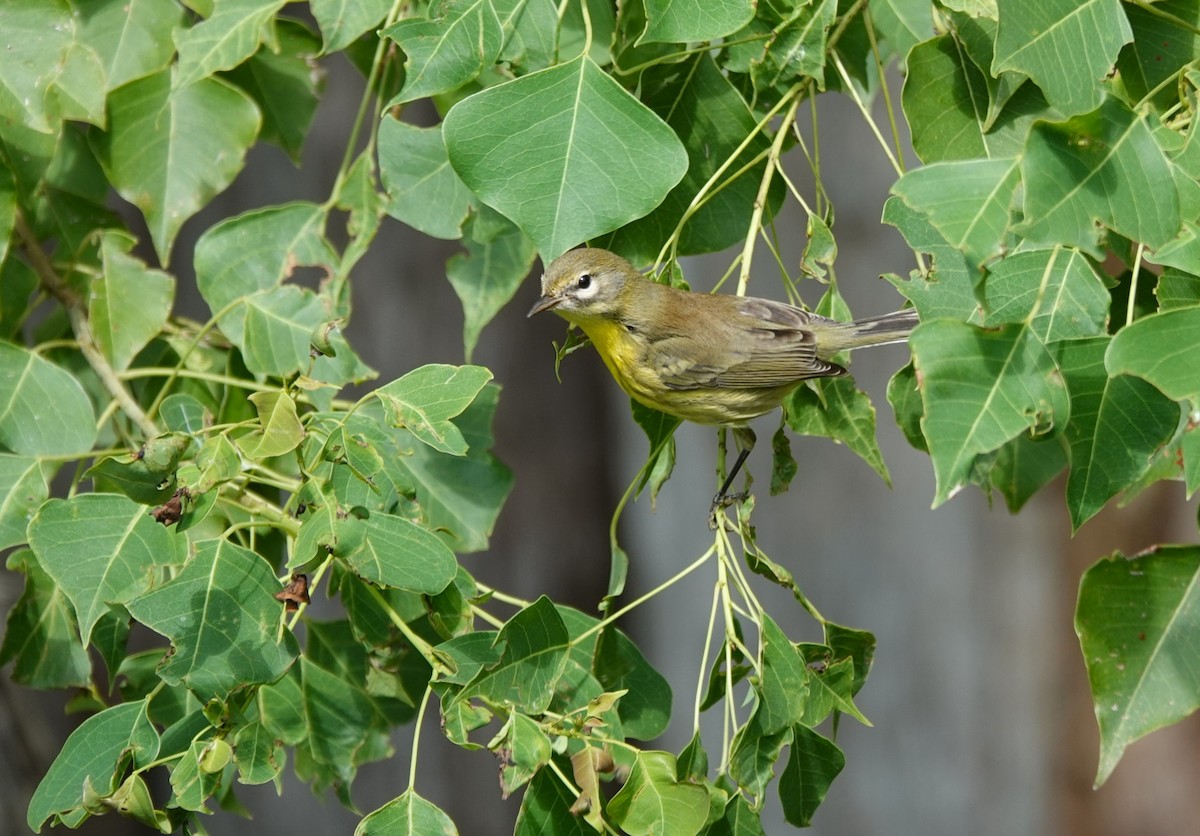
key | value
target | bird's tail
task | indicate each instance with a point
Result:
(873, 330)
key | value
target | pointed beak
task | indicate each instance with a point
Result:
(543, 304)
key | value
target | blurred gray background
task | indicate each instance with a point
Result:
(982, 719)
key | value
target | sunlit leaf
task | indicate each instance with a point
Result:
(1137, 620)
(169, 151)
(558, 152)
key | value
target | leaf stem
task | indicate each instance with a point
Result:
(1133, 283)
(865, 111)
(637, 602)
(708, 636)
(419, 644)
(793, 97)
(412, 762)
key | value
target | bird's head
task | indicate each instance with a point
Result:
(585, 284)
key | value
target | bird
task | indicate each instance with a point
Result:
(713, 359)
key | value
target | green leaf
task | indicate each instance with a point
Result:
(24, 486)
(754, 755)
(461, 496)
(246, 259)
(1067, 47)
(398, 553)
(523, 749)
(783, 685)
(147, 476)
(133, 39)
(945, 100)
(905, 398)
(284, 85)
(948, 290)
(546, 808)
(535, 652)
(182, 413)
(129, 303)
(424, 400)
(343, 21)
(654, 801)
(980, 390)
(449, 49)
(903, 24)
(1137, 621)
(43, 409)
(257, 251)
(711, 120)
(1024, 466)
(486, 278)
(169, 151)
(1056, 291)
(1159, 349)
(660, 432)
(812, 765)
(795, 49)
(969, 202)
(279, 431)
(46, 73)
(407, 813)
(338, 716)
(1190, 448)
(191, 785)
(223, 621)
(674, 21)
(1117, 426)
(423, 190)
(1161, 48)
(835, 408)
(831, 685)
(132, 799)
(227, 38)
(783, 464)
(92, 762)
(1176, 289)
(102, 549)
(558, 152)
(614, 663)
(41, 637)
(258, 755)
(740, 819)
(1104, 166)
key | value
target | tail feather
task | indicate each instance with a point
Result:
(873, 330)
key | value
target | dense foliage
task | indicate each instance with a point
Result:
(209, 479)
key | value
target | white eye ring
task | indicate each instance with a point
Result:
(584, 281)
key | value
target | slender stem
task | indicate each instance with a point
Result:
(208, 377)
(708, 636)
(887, 95)
(637, 602)
(793, 97)
(423, 647)
(862, 107)
(484, 615)
(502, 596)
(1133, 283)
(416, 744)
(694, 205)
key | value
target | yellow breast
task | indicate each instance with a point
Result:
(625, 356)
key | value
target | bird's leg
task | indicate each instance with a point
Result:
(745, 442)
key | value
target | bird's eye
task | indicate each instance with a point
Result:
(584, 281)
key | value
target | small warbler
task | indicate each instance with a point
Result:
(709, 358)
